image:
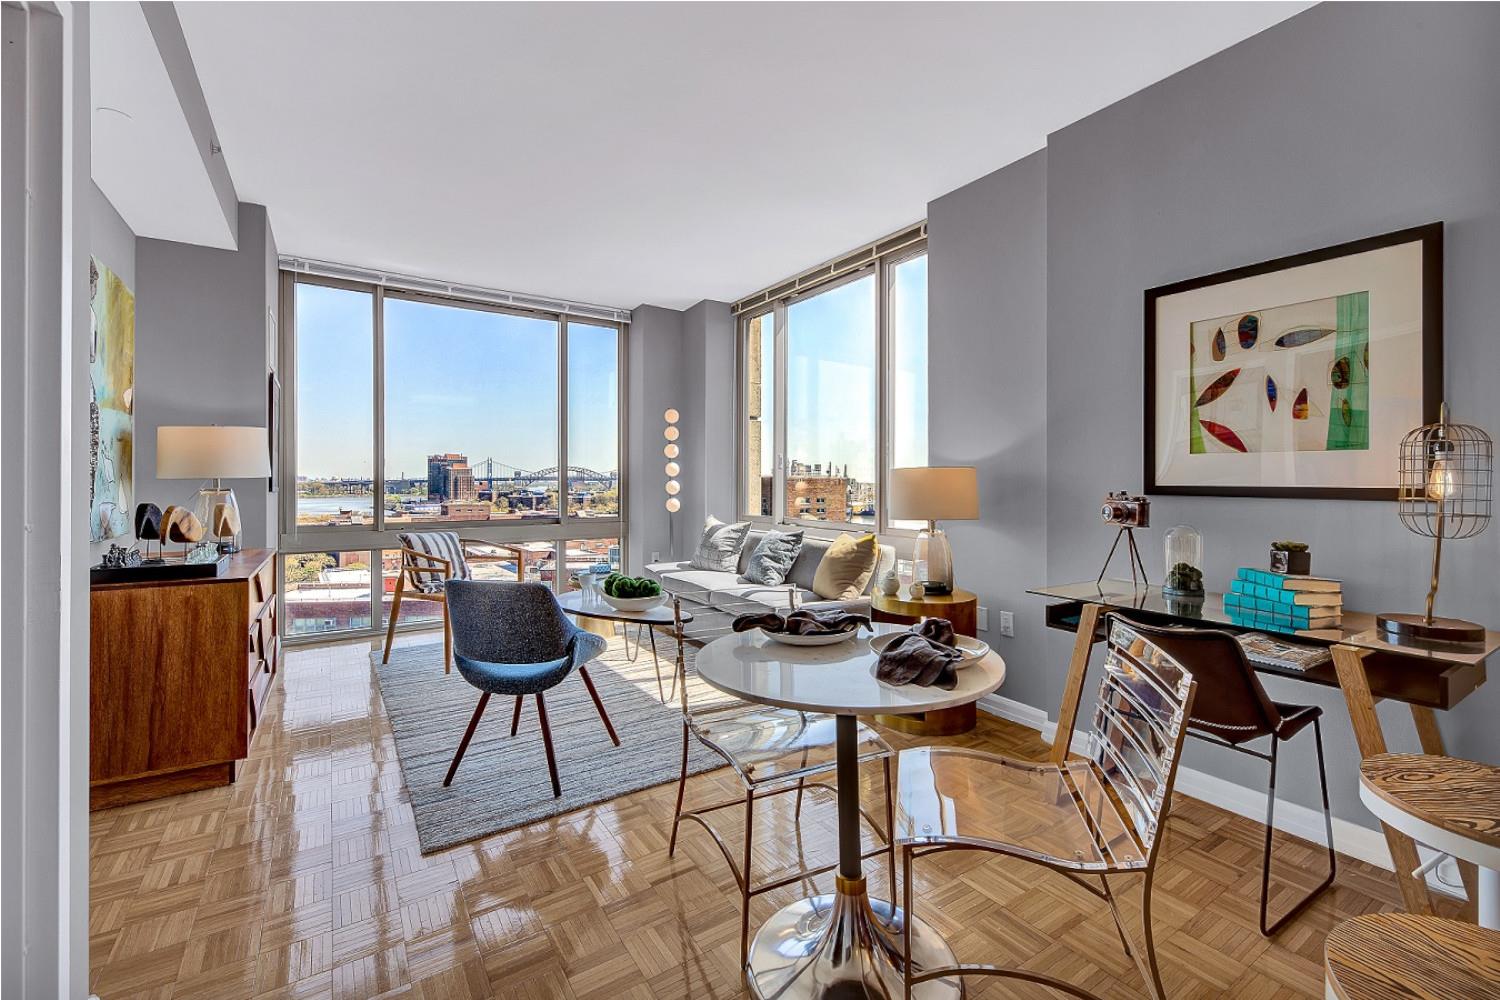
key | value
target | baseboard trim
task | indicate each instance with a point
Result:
(1351, 839)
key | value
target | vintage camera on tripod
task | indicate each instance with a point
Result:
(1125, 510)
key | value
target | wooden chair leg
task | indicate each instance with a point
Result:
(463, 744)
(541, 714)
(515, 720)
(390, 631)
(447, 642)
(588, 682)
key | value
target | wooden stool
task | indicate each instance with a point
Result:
(1401, 956)
(1448, 804)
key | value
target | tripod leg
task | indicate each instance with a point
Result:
(1111, 556)
(1136, 560)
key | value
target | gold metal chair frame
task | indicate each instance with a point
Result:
(1142, 863)
(433, 564)
(757, 789)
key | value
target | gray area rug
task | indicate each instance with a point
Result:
(502, 782)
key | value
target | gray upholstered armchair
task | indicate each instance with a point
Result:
(513, 639)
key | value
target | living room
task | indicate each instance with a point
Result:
(770, 368)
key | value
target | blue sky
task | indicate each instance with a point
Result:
(831, 391)
(467, 380)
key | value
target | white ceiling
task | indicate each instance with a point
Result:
(660, 153)
(142, 152)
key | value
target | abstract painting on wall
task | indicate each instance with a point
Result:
(111, 403)
(1298, 376)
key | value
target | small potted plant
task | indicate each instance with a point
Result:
(1293, 558)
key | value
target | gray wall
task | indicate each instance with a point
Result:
(708, 422)
(1346, 121)
(112, 242)
(203, 352)
(987, 331)
(654, 349)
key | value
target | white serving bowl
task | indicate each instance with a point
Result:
(972, 649)
(827, 639)
(633, 603)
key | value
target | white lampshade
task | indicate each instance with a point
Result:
(939, 493)
(212, 453)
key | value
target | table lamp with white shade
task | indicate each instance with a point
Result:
(933, 494)
(216, 453)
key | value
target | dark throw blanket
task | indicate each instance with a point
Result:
(803, 622)
(926, 656)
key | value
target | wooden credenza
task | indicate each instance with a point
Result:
(179, 671)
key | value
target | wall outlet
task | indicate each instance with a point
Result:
(656, 557)
(982, 619)
(1007, 624)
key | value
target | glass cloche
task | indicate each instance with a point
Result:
(1184, 561)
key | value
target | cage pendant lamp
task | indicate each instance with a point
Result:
(1447, 477)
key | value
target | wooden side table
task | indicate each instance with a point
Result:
(961, 608)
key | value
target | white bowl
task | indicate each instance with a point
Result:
(827, 639)
(972, 649)
(633, 603)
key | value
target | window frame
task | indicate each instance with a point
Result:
(295, 539)
(882, 268)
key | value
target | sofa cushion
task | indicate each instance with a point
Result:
(846, 568)
(752, 598)
(773, 556)
(719, 548)
(691, 584)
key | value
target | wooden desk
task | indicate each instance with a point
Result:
(178, 673)
(1366, 667)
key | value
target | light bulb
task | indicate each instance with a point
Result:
(670, 416)
(671, 451)
(671, 433)
(1442, 480)
(673, 487)
(673, 505)
(672, 469)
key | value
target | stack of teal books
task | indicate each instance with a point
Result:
(1281, 602)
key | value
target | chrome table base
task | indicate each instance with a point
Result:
(844, 946)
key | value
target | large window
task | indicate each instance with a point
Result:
(411, 410)
(833, 392)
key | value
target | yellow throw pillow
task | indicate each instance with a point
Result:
(845, 570)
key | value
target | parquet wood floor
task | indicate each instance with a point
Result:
(303, 880)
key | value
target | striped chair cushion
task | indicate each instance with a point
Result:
(429, 576)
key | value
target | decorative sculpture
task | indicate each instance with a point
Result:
(148, 527)
(181, 525)
(119, 557)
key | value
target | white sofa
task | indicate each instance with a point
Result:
(715, 599)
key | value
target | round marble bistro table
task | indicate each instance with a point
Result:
(842, 945)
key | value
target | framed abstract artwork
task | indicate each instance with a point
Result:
(1295, 377)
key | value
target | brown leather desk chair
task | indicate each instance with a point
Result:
(1233, 709)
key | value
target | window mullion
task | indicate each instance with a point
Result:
(778, 458)
(377, 479)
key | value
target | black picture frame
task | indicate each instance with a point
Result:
(1430, 236)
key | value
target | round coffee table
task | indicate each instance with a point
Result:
(583, 605)
(841, 945)
(1448, 804)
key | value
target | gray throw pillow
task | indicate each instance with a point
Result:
(719, 548)
(773, 557)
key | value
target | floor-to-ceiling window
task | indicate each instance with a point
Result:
(411, 411)
(833, 387)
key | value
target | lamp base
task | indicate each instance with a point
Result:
(1407, 627)
(219, 512)
(934, 561)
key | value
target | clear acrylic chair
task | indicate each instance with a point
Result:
(773, 751)
(1089, 819)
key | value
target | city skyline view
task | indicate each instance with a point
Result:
(456, 379)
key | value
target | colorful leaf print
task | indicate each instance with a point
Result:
(1220, 347)
(1218, 387)
(1302, 335)
(1299, 406)
(1339, 376)
(1249, 331)
(1271, 392)
(1223, 434)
